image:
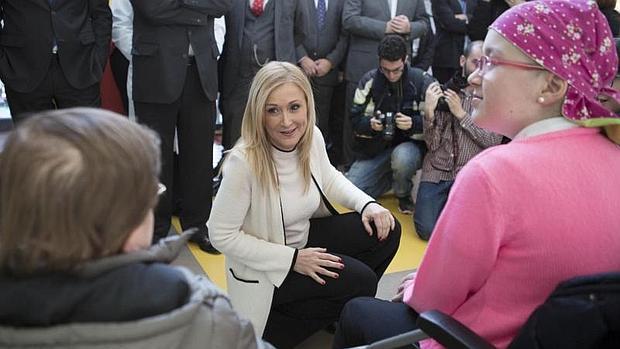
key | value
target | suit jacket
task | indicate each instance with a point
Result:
(235, 21)
(365, 20)
(162, 33)
(330, 42)
(80, 28)
(484, 14)
(450, 31)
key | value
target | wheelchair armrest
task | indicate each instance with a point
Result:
(449, 332)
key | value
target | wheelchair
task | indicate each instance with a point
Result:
(582, 312)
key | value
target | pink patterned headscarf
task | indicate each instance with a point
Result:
(572, 40)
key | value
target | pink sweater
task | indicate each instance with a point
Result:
(520, 218)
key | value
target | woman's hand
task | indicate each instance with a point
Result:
(383, 219)
(404, 284)
(312, 261)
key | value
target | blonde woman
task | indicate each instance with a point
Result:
(292, 261)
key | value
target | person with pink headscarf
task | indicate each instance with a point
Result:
(524, 216)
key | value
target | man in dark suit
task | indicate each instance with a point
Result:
(52, 53)
(257, 31)
(321, 51)
(368, 21)
(451, 18)
(485, 13)
(174, 57)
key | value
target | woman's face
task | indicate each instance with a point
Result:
(286, 116)
(505, 96)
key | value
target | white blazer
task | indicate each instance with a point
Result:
(246, 225)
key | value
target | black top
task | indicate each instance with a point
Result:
(613, 18)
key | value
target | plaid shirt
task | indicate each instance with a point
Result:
(452, 142)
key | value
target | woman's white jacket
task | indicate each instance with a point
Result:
(246, 225)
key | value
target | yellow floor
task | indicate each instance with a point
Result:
(408, 256)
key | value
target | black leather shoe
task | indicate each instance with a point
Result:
(331, 328)
(202, 240)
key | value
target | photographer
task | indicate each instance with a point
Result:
(385, 116)
(452, 140)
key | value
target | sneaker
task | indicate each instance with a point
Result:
(405, 205)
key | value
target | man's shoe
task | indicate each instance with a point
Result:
(405, 205)
(201, 239)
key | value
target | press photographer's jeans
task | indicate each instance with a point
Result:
(431, 199)
(393, 168)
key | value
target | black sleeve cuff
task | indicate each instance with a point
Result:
(368, 203)
(294, 260)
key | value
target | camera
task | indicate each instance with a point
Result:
(388, 119)
(456, 83)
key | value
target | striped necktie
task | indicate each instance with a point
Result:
(321, 11)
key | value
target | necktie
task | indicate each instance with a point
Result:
(463, 6)
(321, 11)
(257, 7)
(54, 42)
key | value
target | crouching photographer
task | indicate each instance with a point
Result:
(452, 139)
(385, 116)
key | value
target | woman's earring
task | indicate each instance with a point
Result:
(541, 100)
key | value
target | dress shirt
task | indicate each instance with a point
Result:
(316, 4)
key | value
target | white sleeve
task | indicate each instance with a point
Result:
(122, 26)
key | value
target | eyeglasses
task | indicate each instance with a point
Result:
(392, 71)
(485, 62)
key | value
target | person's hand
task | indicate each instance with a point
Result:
(512, 3)
(383, 219)
(323, 66)
(401, 24)
(389, 27)
(313, 261)
(308, 66)
(376, 124)
(404, 284)
(461, 16)
(454, 103)
(403, 121)
(433, 93)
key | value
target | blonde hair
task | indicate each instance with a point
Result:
(74, 184)
(254, 141)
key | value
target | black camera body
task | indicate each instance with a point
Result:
(388, 119)
(456, 83)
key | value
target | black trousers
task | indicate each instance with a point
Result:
(366, 320)
(323, 104)
(338, 113)
(193, 117)
(301, 306)
(54, 92)
(348, 156)
(232, 108)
